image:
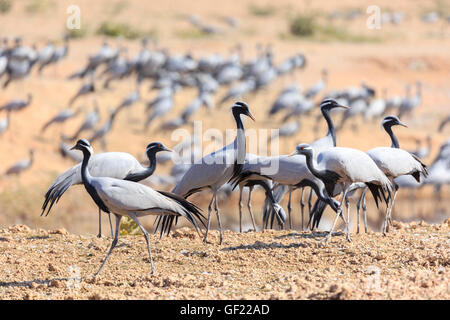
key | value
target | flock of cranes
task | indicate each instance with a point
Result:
(331, 172)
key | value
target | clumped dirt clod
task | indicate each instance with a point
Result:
(411, 262)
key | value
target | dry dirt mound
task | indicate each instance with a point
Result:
(410, 263)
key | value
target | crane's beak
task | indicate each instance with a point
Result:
(402, 124)
(341, 106)
(167, 149)
(74, 147)
(251, 116)
(292, 154)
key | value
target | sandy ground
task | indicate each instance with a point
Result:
(412, 262)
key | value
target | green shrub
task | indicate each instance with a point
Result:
(191, 33)
(128, 226)
(35, 6)
(305, 26)
(116, 29)
(261, 11)
(5, 6)
(77, 33)
(302, 26)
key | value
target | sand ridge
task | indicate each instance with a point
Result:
(410, 263)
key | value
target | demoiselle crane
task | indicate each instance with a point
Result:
(89, 122)
(422, 152)
(444, 123)
(439, 172)
(18, 104)
(119, 165)
(85, 89)
(128, 198)
(4, 123)
(101, 133)
(217, 168)
(326, 142)
(319, 86)
(45, 54)
(395, 162)
(409, 104)
(61, 117)
(343, 167)
(22, 165)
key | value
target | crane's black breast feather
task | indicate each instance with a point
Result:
(91, 190)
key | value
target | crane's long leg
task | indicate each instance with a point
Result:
(103, 143)
(240, 208)
(249, 206)
(290, 208)
(365, 211)
(209, 217)
(392, 206)
(347, 207)
(99, 235)
(302, 207)
(358, 214)
(116, 237)
(338, 214)
(388, 213)
(134, 217)
(310, 199)
(110, 225)
(216, 207)
(358, 206)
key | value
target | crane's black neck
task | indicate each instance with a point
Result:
(329, 178)
(310, 164)
(319, 190)
(240, 144)
(394, 140)
(331, 129)
(145, 172)
(84, 165)
(151, 154)
(237, 117)
(85, 177)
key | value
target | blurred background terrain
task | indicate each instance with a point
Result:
(412, 45)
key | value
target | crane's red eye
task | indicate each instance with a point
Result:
(302, 148)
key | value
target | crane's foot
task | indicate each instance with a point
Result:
(326, 238)
(205, 241)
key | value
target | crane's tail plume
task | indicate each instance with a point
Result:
(56, 190)
(272, 203)
(423, 169)
(269, 212)
(316, 213)
(190, 211)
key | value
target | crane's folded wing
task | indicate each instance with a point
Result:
(126, 196)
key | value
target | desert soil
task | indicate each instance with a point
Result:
(412, 262)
